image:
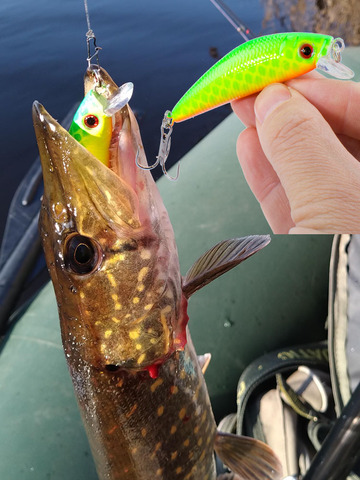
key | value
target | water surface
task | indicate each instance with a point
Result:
(161, 46)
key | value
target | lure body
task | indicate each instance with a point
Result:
(249, 68)
(112, 257)
(92, 127)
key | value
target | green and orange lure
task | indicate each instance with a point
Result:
(92, 123)
(248, 69)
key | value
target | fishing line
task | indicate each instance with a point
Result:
(90, 36)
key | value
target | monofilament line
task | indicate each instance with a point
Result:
(90, 35)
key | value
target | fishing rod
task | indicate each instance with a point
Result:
(231, 17)
(341, 448)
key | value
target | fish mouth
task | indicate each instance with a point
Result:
(62, 154)
(76, 179)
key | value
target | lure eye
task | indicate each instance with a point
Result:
(91, 121)
(82, 255)
(306, 50)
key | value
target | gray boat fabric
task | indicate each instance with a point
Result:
(353, 329)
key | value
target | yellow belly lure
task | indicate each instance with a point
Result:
(248, 69)
(92, 127)
(92, 122)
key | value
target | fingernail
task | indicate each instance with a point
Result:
(269, 99)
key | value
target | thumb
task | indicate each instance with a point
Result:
(320, 178)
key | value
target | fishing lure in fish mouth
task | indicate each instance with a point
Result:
(248, 69)
(92, 123)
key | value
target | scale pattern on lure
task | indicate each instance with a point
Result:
(253, 65)
(248, 69)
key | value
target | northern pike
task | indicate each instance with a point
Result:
(112, 257)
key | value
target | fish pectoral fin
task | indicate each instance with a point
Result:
(221, 258)
(204, 361)
(247, 457)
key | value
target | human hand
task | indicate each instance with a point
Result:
(300, 154)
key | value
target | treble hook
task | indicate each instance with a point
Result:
(164, 148)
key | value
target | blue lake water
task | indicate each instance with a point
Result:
(161, 46)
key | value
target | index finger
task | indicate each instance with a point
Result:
(337, 100)
(244, 107)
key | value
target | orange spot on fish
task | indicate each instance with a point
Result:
(143, 432)
(182, 413)
(156, 384)
(160, 410)
(112, 430)
(120, 383)
(174, 390)
(174, 455)
(131, 412)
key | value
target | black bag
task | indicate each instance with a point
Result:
(291, 398)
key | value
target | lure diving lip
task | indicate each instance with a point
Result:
(331, 63)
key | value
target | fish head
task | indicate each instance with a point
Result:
(307, 51)
(110, 250)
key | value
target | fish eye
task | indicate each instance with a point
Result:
(306, 50)
(82, 255)
(91, 121)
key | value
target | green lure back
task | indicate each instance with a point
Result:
(92, 127)
(257, 63)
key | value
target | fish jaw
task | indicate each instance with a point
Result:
(111, 253)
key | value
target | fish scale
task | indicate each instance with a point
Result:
(176, 453)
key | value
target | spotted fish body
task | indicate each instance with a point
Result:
(249, 68)
(112, 257)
